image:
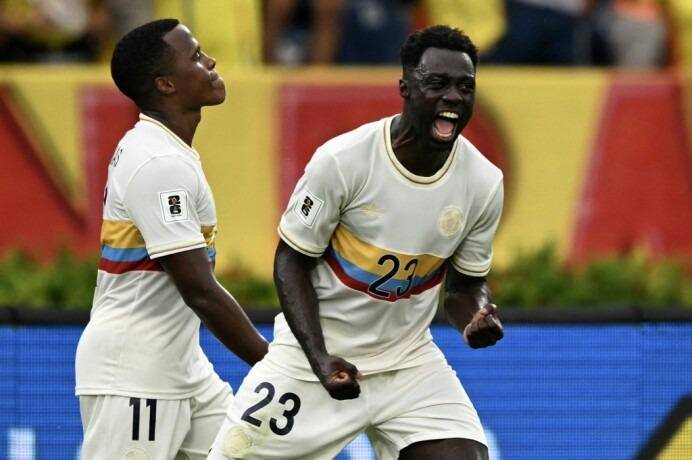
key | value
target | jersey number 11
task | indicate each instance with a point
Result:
(151, 404)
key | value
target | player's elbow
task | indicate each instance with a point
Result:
(201, 302)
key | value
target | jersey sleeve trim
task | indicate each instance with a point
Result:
(310, 252)
(167, 250)
(471, 270)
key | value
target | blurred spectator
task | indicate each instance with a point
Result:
(50, 31)
(125, 15)
(302, 31)
(374, 31)
(544, 32)
(484, 21)
(633, 32)
(335, 31)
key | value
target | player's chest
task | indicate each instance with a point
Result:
(431, 219)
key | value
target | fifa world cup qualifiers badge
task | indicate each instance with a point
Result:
(308, 208)
(174, 205)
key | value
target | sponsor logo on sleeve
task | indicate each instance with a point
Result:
(174, 205)
(308, 207)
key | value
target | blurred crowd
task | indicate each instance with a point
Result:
(622, 33)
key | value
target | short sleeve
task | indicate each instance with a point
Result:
(314, 209)
(161, 200)
(474, 255)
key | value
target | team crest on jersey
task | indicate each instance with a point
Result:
(174, 205)
(308, 208)
(450, 221)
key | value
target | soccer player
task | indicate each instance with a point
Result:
(146, 390)
(382, 215)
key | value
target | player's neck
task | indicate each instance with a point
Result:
(411, 150)
(182, 124)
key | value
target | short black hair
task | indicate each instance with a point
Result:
(439, 36)
(139, 57)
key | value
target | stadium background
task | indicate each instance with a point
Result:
(596, 162)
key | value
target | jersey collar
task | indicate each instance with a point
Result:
(401, 169)
(175, 137)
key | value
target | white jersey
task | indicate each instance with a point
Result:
(383, 237)
(142, 339)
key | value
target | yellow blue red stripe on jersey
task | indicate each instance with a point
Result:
(379, 273)
(123, 249)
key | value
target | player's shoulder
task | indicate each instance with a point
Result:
(146, 142)
(358, 141)
(476, 165)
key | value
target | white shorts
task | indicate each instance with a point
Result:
(274, 416)
(120, 427)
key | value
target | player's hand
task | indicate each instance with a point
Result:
(339, 377)
(485, 328)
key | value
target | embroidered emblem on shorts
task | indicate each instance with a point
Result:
(308, 207)
(450, 221)
(136, 454)
(236, 443)
(174, 205)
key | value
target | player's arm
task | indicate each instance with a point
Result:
(193, 276)
(467, 298)
(147, 202)
(301, 310)
(468, 308)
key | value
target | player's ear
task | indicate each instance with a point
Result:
(164, 85)
(403, 88)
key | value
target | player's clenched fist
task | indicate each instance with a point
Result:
(339, 377)
(484, 329)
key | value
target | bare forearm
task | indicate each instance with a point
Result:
(191, 272)
(299, 302)
(304, 322)
(463, 298)
(228, 322)
(468, 308)
(301, 309)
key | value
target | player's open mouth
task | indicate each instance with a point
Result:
(444, 126)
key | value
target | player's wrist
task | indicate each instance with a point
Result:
(464, 333)
(319, 362)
